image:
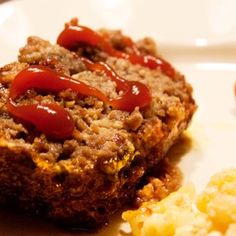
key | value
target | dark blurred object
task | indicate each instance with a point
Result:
(2, 1)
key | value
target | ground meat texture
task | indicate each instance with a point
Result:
(84, 180)
(159, 181)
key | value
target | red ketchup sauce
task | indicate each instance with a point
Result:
(134, 92)
(52, 119)
(72, 36)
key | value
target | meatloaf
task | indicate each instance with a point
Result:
(84, 179)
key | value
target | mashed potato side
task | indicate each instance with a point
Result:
(212, 213)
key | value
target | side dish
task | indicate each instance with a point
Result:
(212, 213)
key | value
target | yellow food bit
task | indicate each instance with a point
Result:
(213, 213)
(113, 166)
(218, 200)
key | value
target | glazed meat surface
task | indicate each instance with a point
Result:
(83, 180)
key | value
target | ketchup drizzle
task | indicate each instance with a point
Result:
(134, 92)
(53, 120)
(73, 35)
(43, 78)
(50, 119)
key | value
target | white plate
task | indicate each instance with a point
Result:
(199, 37)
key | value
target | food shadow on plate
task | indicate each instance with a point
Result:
(181, 147)
(17, 224)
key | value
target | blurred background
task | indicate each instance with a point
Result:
(173, 24)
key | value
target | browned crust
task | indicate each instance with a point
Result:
(83, 181)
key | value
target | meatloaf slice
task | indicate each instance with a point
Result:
(83, 180)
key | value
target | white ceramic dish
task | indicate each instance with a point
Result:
(199, 37)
